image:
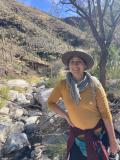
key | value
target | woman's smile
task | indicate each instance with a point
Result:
(77, 67)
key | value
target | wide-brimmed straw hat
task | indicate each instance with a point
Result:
(83, 55)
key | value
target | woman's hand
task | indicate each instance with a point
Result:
(114, 147)
(68, 120)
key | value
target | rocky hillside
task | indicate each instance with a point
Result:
(77, 22)
(28, 32)
(29, 130)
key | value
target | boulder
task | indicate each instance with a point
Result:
(15, 142)
(3, 132)
(18, 83)
(42, 97)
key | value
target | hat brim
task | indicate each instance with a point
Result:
(83, 55)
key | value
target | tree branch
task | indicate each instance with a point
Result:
(105, 8)
(117, 19)
(63, 2)
(89, 7)
(110, 36)
(78, 12)
(94, 13)
(95, 33)
(111, 11)
(100, 16)
(73, 2)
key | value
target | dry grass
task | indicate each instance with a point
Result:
(26, 31)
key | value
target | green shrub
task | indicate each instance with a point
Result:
(19, 89)
(113, 62)
(33, 78)
(51, 82)
(3, 95)
(2, 102)
(114, 88)
(4, 92)
(56, 149)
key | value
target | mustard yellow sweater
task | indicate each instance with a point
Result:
(90, 109)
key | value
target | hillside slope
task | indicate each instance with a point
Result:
(37, 27)
(28, 32)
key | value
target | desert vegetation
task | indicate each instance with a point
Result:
(31, 45)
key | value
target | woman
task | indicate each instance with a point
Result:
(87, 108)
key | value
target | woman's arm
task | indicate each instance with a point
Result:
(55, 108)
(53, 99)
(114, 147)
(106, 116)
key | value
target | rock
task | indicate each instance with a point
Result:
(17, 83)
(23, 154)
(3, 132)
(22, 125)
(42, 97)
(15, 110)
(29, 129)
(22, 99)
(31, 120)
(13, 95)
(51, 120)
(19, 112)
(38, 153)
(34, 113)
(4, 110)
(17, 127)
(41, 88)
(29, 96)
(32, 135)
(15, 142)
(5, 119)
(1, 146)
(38, 88)
(22, 119)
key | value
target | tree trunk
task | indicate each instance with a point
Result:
(102, 66)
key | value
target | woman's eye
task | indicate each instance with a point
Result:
(75, 62)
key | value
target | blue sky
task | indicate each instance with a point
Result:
(47, 6)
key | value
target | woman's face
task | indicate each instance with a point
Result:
(77, 67)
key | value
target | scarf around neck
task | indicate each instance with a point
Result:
(77, 87)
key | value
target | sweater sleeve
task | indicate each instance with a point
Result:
(102, 102)
(55, 95)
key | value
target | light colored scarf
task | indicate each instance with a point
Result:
(77, 87)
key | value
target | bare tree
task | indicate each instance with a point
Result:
(102, 16)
